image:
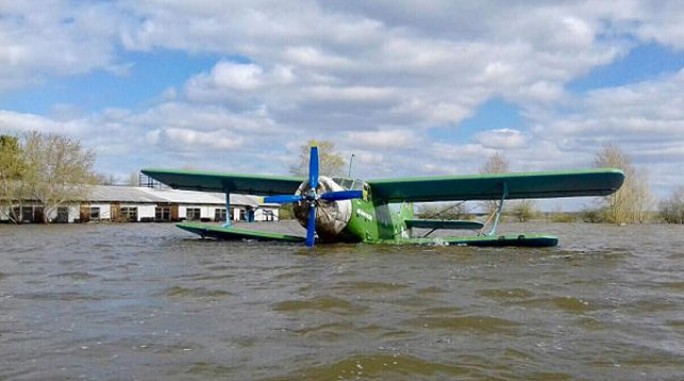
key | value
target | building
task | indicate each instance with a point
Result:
(143, 204)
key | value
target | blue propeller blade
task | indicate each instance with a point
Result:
(311, 227)
(283, 199)
(342, 195)
(313, 167)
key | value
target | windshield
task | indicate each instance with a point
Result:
(349, 184)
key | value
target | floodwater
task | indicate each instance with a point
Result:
(151, 302)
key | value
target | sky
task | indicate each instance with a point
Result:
(410, 88)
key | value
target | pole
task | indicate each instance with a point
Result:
(351, 160)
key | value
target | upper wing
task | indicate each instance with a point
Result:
(592, 182)
(261, 185)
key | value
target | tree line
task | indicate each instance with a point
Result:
(53, 170)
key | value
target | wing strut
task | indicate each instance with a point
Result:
(228, 222)
(497, 214)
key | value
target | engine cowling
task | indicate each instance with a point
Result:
(331, 217)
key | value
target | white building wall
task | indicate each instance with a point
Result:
(105, 210)
(206, 211)
(4, 213)
(144, 211)
(74, 213)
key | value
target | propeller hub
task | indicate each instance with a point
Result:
(311, 195)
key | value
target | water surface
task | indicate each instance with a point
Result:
(148, 301)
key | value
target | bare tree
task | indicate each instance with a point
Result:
(133, 179)
(672, 208)
(12, 189)
(443, 210)
(57, 170)
(330, 162)
(523, 210)
(105, 179)
(630, 203)
(496, 163)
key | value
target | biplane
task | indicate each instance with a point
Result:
(381, 211)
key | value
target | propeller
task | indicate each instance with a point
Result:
(310, 196)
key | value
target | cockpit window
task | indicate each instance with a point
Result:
(350, 184)
(357, 185)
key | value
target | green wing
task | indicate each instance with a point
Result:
(261, 185)
(592, 182)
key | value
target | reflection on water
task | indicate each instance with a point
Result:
(148, 301)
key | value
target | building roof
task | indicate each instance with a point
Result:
(112, 193)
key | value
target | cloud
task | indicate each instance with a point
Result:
(501, 139)
(187, 139)
(236, 76)
(41, 39)
(22, 122)
(386, 139)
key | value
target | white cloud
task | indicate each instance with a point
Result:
(22, 122)
(386, 139)
(310, 56)
(187, 139)
(40, 39)
(502, 139)
(237, 76)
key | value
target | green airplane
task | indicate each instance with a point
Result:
(381, 211)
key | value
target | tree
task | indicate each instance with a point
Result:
(630, 203)
(672, 208)
(523, 210)
(330, 163)
(12, 189)
(105, 179)
(496, 163)
(57, 170)
(133, 179)
(444, 211)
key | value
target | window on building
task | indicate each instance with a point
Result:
(62, 215)
(95, 213)
(22, 214)
(129, 213)
(268, 215)
(162, 213)
(243, 215)
(220, 214)
(26, 214)
(39, 214)
(193, 214)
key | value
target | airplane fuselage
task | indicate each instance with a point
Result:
(364, 219)
(378, 222)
